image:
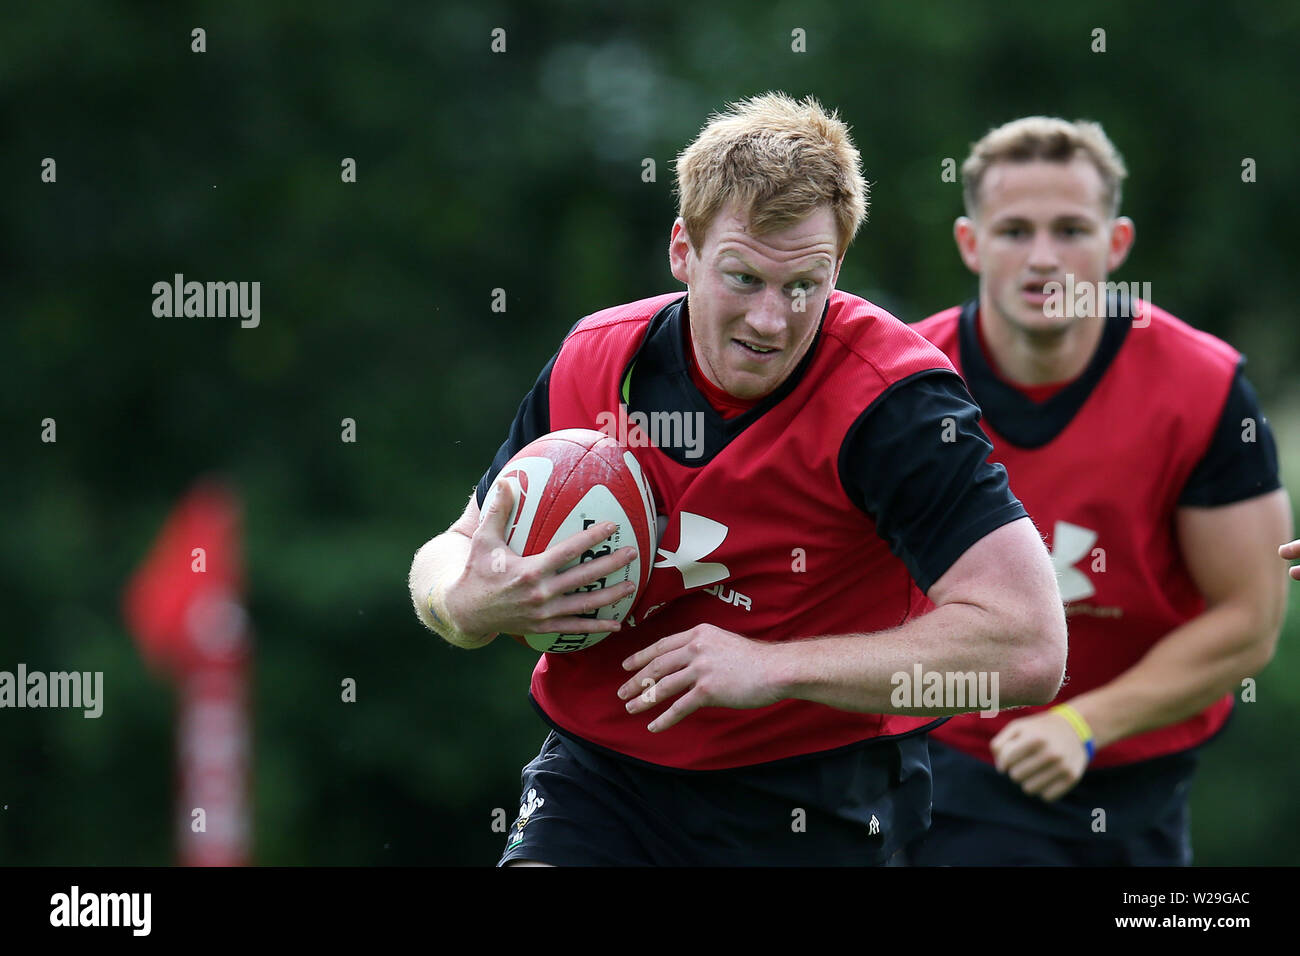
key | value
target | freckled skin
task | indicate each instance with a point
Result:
(745, 288)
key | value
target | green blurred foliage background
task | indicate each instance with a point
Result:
(478, 171)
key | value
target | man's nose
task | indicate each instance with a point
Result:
(1043, 256)
(769, 316)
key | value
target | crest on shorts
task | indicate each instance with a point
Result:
(532, 803)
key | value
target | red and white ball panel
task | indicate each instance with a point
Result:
(562, 484)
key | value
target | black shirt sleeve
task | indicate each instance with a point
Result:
(532, 421)
(1241, 461)
(916, 461)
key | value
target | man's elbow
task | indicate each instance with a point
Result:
(1264, 630)
(1040, 661)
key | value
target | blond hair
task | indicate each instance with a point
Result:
(780, 159)
(1045, 138)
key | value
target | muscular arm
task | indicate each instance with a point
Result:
(999, 610)
(1230, 553)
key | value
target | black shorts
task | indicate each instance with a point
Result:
(855, 806)
(1133, 815)
(958, 841)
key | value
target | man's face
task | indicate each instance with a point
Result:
(1037, 222)
(755, 301)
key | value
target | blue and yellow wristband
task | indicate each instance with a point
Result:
(1080, 726)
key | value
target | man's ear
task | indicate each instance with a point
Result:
(963, 231)
(1122, 234)
(679, 251)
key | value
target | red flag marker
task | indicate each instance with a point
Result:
(185, 608)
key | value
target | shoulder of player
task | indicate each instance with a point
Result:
(640, 311)
(940, 324)
(880, 339)
(1169, 335)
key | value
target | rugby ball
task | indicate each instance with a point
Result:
(562, 484)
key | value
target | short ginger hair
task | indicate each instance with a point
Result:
(779, 159)
(1046, 138)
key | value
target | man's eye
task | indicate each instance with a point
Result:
(1013, 232)
(1072, 231)
(806, 285)
(744, 278)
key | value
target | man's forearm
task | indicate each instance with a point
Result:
(436, 565)
(1189, 669)
(863, 672)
